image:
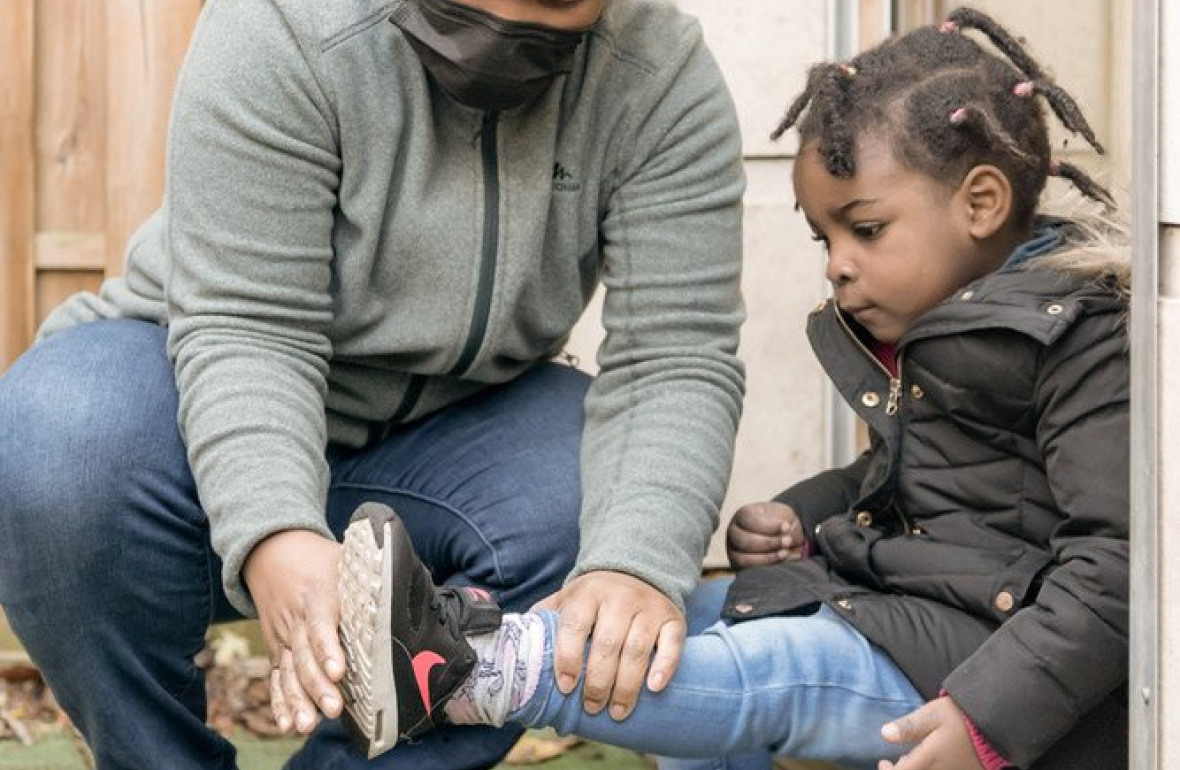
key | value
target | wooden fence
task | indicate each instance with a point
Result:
(85, 91)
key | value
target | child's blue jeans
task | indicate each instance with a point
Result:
(801, 686)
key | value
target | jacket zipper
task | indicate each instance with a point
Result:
(893, 403)
(491, 241)
(487, 271)
(413, 392)
(491, 237)
(894, 391)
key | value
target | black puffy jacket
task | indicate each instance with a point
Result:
(982, 539)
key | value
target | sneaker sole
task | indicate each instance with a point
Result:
(370, 694)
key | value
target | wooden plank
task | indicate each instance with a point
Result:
(146, 43)
(872, 23)
(70, 251)
(54, 286)
(915, 13)
(16, 179)
(70, 53)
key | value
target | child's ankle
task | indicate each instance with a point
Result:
(506, 674)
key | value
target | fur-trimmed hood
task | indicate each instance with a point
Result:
(1098, 245)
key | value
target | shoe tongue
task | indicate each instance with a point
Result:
(420, 585)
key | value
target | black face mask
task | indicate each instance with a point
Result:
(481, 60)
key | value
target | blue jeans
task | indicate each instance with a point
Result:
(108, 577)
(806, 687)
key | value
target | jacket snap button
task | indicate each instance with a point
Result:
(818, 527)
(744, 609)
(967, 295)
(1055, 309)
(870, 399)
(1004, 601)
(843, 603)
(864, 519)
(917, 392)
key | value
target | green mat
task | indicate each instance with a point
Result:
(57, 752)
(51, 752)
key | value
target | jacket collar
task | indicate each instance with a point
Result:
(1048, 238)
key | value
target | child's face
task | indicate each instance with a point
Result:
(898, 242)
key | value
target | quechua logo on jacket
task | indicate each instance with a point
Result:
(564, 180)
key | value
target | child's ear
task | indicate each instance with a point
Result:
(986, 195)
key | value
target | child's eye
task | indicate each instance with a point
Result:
(868, 230)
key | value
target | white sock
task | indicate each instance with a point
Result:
(506, 673)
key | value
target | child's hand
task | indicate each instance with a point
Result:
(940, 730)
(764, 533)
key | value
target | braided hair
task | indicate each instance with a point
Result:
(946, 105)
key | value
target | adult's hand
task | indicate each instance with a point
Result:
(764, 533)
(624, 618)
(940, 730)
(292, 577)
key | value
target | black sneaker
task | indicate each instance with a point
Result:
(404, 639)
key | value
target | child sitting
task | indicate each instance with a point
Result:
(960, 591)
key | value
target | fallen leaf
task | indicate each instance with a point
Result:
(228, 648)
(533, 748)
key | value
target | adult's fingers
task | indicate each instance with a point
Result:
(325, 663)
(669, 646)
(324, 632)
(611, 632)
(303, 709)
(292, 576)
(575, 620)
(633, 617)
(312, 678)
(278, 701)
(623, 617)
(634, 657)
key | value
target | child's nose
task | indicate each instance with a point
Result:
(840, 269)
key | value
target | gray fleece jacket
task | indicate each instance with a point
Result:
(343, 248)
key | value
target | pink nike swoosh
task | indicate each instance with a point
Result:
(478, 593)
(422, 663)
